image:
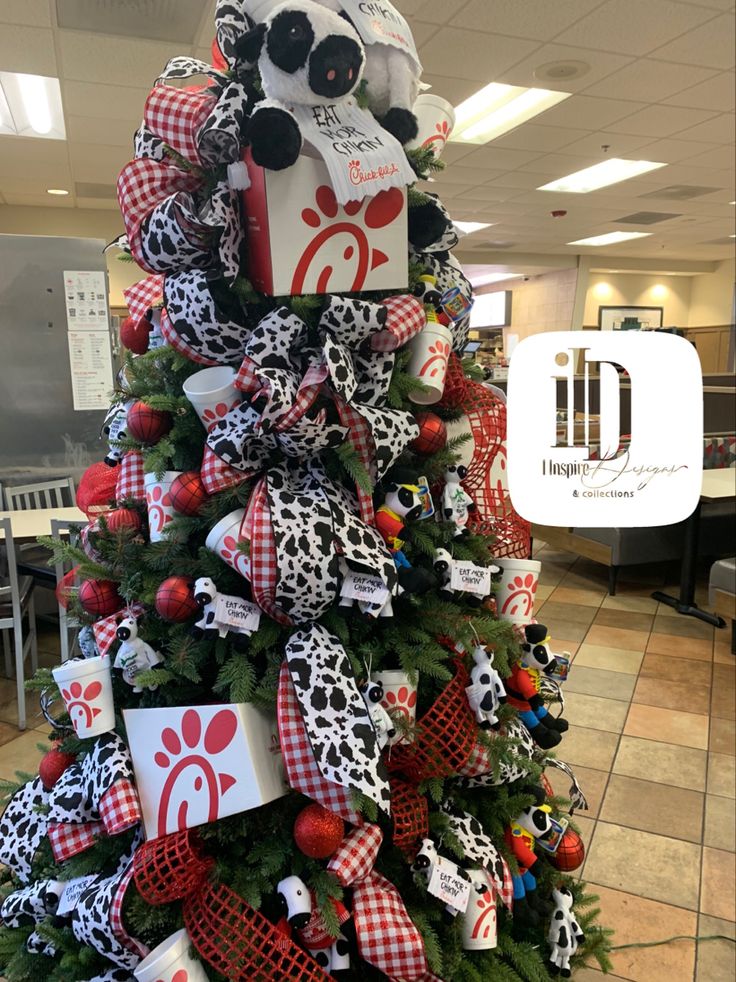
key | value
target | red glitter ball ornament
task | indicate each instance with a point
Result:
(432, 434)
(134, 334)
(188, 493)
(175, 599)
(52, 766)
(123, 518)
(146, 424)
(100, 597)
(318, 832)
(570, 852)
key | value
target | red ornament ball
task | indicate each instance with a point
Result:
(146, 424)
(52, 766)
(318, 832)
(175, 599)
(134, 335)
(432, 434)
(123, 518)
(188, 493)
(570, 852)
(100, 597)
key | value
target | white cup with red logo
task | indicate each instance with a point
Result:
(224, 540)
(436, 119)
(212, 393)
(86, 688)
(399, 698)
(158, 503)
(430, 352)
(171, 961)
(517, 589)
(480, 930)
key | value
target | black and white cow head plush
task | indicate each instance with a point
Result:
(535, 819)
(425, 858)
(205, 591)
(296, 901)
(562, 898)
(127, 629)
(404, 499)
(536, 650)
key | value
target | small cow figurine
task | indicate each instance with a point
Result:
(486, 692)
(302, 916)
(134, 655)
(115, 428)
(206, 595)
(456, 502)
(531, 824)
(565, 934)
(523, 687)
(426, 860)
(372, 693)
(443, 563)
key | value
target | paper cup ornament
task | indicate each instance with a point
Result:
(399, 698)
(159, 504)
(224, 540)
(86, 688)
(436, 119)
(516, 590)
(430, 351)
(171, 962)
(479, 920)
(212, 393)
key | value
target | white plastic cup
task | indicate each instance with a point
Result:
(430, 352)
(436, 119)
(86, 688)
(516, 590)
(212, 393)
(223, 541)
(170, 957)
(158, 502)
(480, 930)
(399, 696)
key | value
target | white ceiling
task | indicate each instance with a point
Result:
(660, 87)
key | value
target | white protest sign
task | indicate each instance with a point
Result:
(73, 890)
(363, 587)
(237, 613)
(448, 886)
(471, 578)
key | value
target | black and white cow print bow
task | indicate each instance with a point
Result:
(478, 848)
(339, 727)
(577, 798)
(32, 905)
(23, 828)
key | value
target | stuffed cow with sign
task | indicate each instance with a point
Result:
(208, 626)
(372, 693)
(456, 502)
(303, 917)
(443, 565)
(486, 691)
(425, 861)
(134, 654)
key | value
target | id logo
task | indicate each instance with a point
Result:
(576, 457)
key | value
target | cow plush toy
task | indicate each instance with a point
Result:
(115, 428)
(206, 595)
(134, 654)
(456, 502)
(426, 860)
(303, 917)
(486, 691)
(372, 693)
(523, 685)
(402, 503)
(443, 563)
(564, 935)
(531, 824)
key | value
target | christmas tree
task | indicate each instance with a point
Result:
(300, 743)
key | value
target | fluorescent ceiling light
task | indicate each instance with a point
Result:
(610, 238)
(30, 105)
(498, 108)
(59, 191)
(601, 175)
(467, 228)
(484, 280)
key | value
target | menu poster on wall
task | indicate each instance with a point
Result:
(85, 292)
(91, 366)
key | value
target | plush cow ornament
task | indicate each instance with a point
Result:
(302, 916)
(531, 824)
(565, 934)
(372, 693)
(307, 55)
(207, 595)
(134, 654)
(115, 428)
(456, 502)
(443, 563)
(426, 860)
(523, 687)
(402, 504)
(486, 691)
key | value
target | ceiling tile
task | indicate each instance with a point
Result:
(710, 44)
(472, 54)
(619, 145)
(97, 164)
(723, 157)
(492, 158)
(661, 120)
(720, 129)
(39, 200)
(537, 19)
(433, 11)
(718, 93)
(207, 31)
(541, 138)
(103, 101)
(601, 65)
(650, 81)
(27, 49)
(26, 157)
(589, 113)
(34, 13)
(673, 151)
(632, 27)
(557, 165)
(452, 89)
(99, 205)
(87, 129)
(87, 58)
(422, 31)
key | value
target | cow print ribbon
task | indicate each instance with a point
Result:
(577, 798)
(478, 848)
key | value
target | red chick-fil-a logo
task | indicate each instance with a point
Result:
(359, 176)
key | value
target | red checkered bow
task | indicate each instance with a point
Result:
(177, 342)
(301, 768)
(87, 546)
(406, 317)
(177, 116)
(142, 185)
(217, 475)
(116, 916)
(143, 295)
(105, 629)
(359, 434)
(263, 563)
(67, 840)
(120, 808)
(387, 937)
(131, 478)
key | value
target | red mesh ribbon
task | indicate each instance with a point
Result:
(410, 814)
(66, 586)
(96, 489)
(486, 413)
(445, 735)
(171, 867)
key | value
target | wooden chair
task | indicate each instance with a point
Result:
(68, 628)
(25, 497)
(16, 602)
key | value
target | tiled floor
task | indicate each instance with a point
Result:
(651, 702)
(652, 739)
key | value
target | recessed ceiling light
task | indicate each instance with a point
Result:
(610, 238)
(59, 191)
(561, 71)
(498, 108)
(30, 105)
(601, 175)
(467, 228)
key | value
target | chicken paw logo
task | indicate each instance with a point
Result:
(520, 595)
(78, 702)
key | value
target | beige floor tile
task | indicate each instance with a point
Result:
(721, 775)
(679, 647)
(718, 891)
(594, 712)
(583, 598)
(609, 659)
(614, 637)
(650, 760)
(720, 823)
(645, 865)
(667, 726)
(8, 732)
(723, 736)
(723, 704)
(722, 654)
(22, 754)
(653, 807)
(585, 826)
(562, 627)
(592, 782)
(594, 682)
(596, 579)
(716, 959)
(673, 695)
(676, 669)
(588, 748)
(563, 646)
(640, 605)
(577, 613)
(686, 627)
(629, 620)
(637, 919)
(543, 591)
(549, 556)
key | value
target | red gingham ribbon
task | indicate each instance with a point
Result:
(175, 341)
(131, 478)
(89, 549)
(216, 474)
(246, 378)
(301, 768)
(406, 317)
(105, 629)
(67, 839)
(176, 116)
(356, 855)
(143, 295)
(142, 185)
(116, 916)
(120, 808)
(306, 395)
(264, 565)
(359, 434)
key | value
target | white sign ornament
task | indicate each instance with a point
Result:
(237, 613)
(365, 588)
(471, 578)
(564, 474)
(381, 23)
(73, 890)
(448, 886)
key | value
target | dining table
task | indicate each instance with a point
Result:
(27, 525)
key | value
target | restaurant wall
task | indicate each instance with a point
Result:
(540, 303)
(711, 299)
(673, 293)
